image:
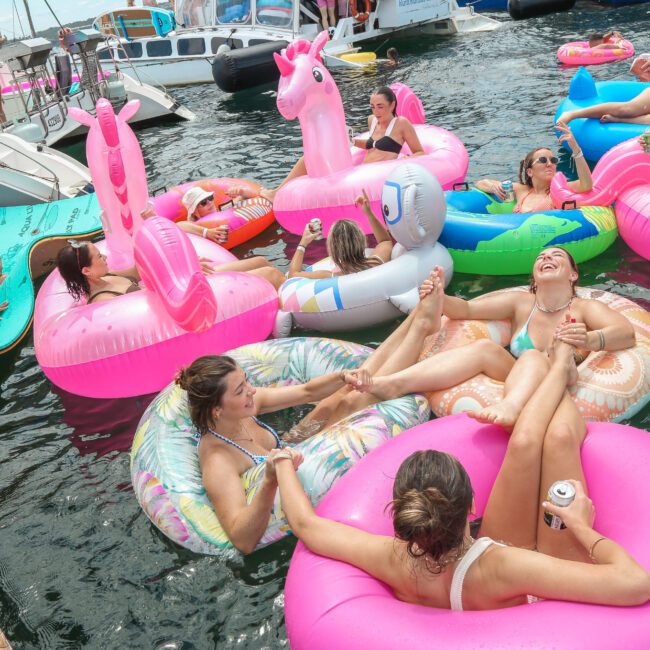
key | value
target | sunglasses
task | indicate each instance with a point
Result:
(207, 200)
(544, 159)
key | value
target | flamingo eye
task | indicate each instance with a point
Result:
(318, 74)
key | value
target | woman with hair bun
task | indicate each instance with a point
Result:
(433, 560)
(388, 133)
(536, 171)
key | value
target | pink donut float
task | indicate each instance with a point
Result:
(135, 343)
(579, 53)
(633, 218)
(331, 604)
(335, 175)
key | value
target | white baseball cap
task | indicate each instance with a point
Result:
(193, 197)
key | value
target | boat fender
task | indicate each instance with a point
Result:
(247, 67)
(521, 9)
(360, 16)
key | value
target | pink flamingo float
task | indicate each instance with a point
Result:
(134, 344)
(335, 173)
(622, 177)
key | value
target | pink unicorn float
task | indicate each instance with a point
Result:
(135, 343)
(621, 177)
(335, 175)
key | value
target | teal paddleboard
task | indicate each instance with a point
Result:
(30, 239)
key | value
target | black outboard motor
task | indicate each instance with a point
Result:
(520, 9)
(63, 72)
(247, 67)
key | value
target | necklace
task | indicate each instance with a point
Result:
(243, 438)
(553, 311)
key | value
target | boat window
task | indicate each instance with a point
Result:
(194, 13)
(276, 13)
(233, 11)
(132, 50)
(104, 55)
(159, 48)
(233, 43)
(188, 46)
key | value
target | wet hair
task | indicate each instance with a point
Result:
(205, 382)
(526, 164)
(389, 95)
(347, 246)
(392, 53)
(70, 261)
(595, 39)
(533, 285)
(432, 496)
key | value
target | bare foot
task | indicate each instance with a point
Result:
(608, 118)
(268, 194)
(505, 414)
(430, 305)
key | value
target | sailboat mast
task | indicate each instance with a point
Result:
(29, 19)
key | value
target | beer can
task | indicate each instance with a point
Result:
(561, 493)
(316, 226)
(646, 141)
(509, 190)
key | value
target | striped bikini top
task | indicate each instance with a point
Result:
(257, 459)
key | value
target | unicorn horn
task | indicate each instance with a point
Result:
(285, 66)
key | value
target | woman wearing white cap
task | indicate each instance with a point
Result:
(199, 203)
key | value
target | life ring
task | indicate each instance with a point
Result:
(332, 604)
(164, 462)
(579, 53)
(360, 17)
(612, 386)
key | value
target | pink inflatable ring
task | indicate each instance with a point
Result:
(331, 604)
(579, 53)
(612, 386)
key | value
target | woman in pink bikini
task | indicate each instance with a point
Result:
(536, 171)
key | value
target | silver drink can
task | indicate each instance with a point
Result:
(561, 493)
(509, 190)
(316, 226)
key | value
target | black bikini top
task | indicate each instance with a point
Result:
(385, 143)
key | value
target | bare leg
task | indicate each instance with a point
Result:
(560, 461)
(270, 273)
(525, 377)
(323, 17)
(636, 110)
(255, 266)
(332, 16)
(512, 510)
(424, 321)
(299, 169)
(446, 369)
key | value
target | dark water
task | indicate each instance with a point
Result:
(80, 564)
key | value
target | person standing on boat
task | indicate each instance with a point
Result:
(388, 134)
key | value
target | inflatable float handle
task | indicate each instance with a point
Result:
(464, 187)
(170, 268)
(573, 205)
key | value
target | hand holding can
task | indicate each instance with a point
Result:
(316, 227)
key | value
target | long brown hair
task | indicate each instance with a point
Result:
(205, 382)
(347, 246)
(432, 497)
(70, 261)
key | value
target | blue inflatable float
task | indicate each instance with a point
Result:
(30, 239)
(484, 236)
(593, 136)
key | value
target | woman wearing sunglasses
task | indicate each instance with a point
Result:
(536, 171)
(199, 203)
